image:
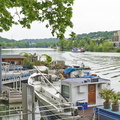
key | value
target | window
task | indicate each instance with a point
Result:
(65, 91)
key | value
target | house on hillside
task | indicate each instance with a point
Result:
(116, 38)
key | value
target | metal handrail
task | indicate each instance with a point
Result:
(50, 83)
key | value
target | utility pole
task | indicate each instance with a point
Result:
(0, 70)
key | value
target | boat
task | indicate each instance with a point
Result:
(76, 71)
(48, 93)
(65, 97)
(78, 50)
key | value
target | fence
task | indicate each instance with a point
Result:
(33, 109)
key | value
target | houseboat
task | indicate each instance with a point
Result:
(66, 96)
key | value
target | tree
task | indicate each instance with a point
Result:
(28, 61)
(69, 44)
(106, 94)
(57, 13)
(107, 45)
(118, 49)
(28, 55)
(48, 59)
(3, 44)
(62, 44)
(31, 60)
(92, 45)
(99, 48)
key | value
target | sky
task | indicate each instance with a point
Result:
(88, 16)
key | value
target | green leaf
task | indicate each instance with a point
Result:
(57, 13)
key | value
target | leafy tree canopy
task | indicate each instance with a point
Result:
(97, 35)
(57, 13)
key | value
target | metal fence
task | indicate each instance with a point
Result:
(32, 109)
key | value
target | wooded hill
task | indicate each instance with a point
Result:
(40, 40)
(6, 40)
(92, 35)
(96, 35)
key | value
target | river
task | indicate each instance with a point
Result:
(106, 65)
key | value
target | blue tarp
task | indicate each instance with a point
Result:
(68, 70)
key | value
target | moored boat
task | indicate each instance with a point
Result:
(78, 50)
(48, 93)
(65, 97)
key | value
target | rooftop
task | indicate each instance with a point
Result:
(86, 80)
(12, 56)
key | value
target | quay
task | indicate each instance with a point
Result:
(28, 103)
(12, 84)
(11, 95)
(13, 74)
(27, 95)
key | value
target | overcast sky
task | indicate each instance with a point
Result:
(88, 16)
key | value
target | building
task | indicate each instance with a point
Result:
(116, 38)
(13, 59)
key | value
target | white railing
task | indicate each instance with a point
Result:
(52, 112)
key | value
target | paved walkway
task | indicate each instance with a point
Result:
(88, 114)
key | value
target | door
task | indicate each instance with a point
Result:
(91, 94)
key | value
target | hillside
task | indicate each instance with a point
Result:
(29, 40)
(40, 40)
(6, 40)
(92, 35)
(97, 35)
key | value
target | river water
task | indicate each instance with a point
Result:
(106, 65)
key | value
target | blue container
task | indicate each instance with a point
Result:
(82, 105)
